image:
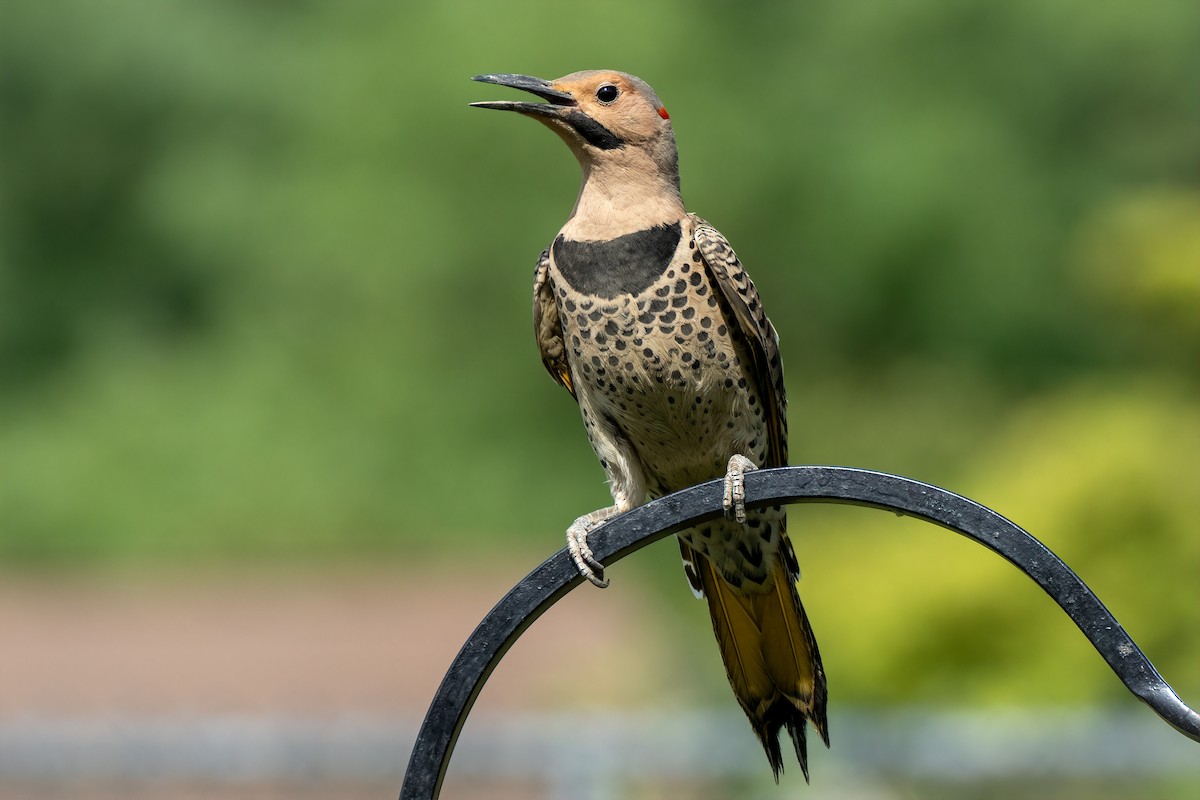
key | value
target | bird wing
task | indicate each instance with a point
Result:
(770, 653)
(763, 343)
(547, 325)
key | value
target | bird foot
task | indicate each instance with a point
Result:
(735, 487)
(577, 545)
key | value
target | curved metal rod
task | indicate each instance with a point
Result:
(648, 523)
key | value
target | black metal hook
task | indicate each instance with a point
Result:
(648, 523)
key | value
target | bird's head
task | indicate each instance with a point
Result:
(607, 118)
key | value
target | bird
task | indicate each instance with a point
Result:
(644, 313)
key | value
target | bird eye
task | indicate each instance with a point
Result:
(607, 93)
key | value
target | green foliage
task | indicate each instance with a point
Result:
(1105, 476)
(264, 292)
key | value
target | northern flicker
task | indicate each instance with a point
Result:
(644, 314)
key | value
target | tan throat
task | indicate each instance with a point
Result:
(623, 196)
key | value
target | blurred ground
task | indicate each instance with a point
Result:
(360, 641)
(309, 683)
(318, 647)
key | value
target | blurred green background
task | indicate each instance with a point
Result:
(265, 280)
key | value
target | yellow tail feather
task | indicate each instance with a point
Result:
(771, 658)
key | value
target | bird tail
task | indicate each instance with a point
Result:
(771, 658)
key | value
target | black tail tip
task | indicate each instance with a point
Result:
(797, 729)
(786, 716)
(774, 755)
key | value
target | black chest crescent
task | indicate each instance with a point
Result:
(625, 265)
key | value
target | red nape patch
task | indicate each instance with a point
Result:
(662, 112)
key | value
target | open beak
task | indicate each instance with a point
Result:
(555, 100)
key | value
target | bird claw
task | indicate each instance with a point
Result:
(734, 499)
(581, 554)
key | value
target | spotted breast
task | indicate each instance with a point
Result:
(659, 372)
